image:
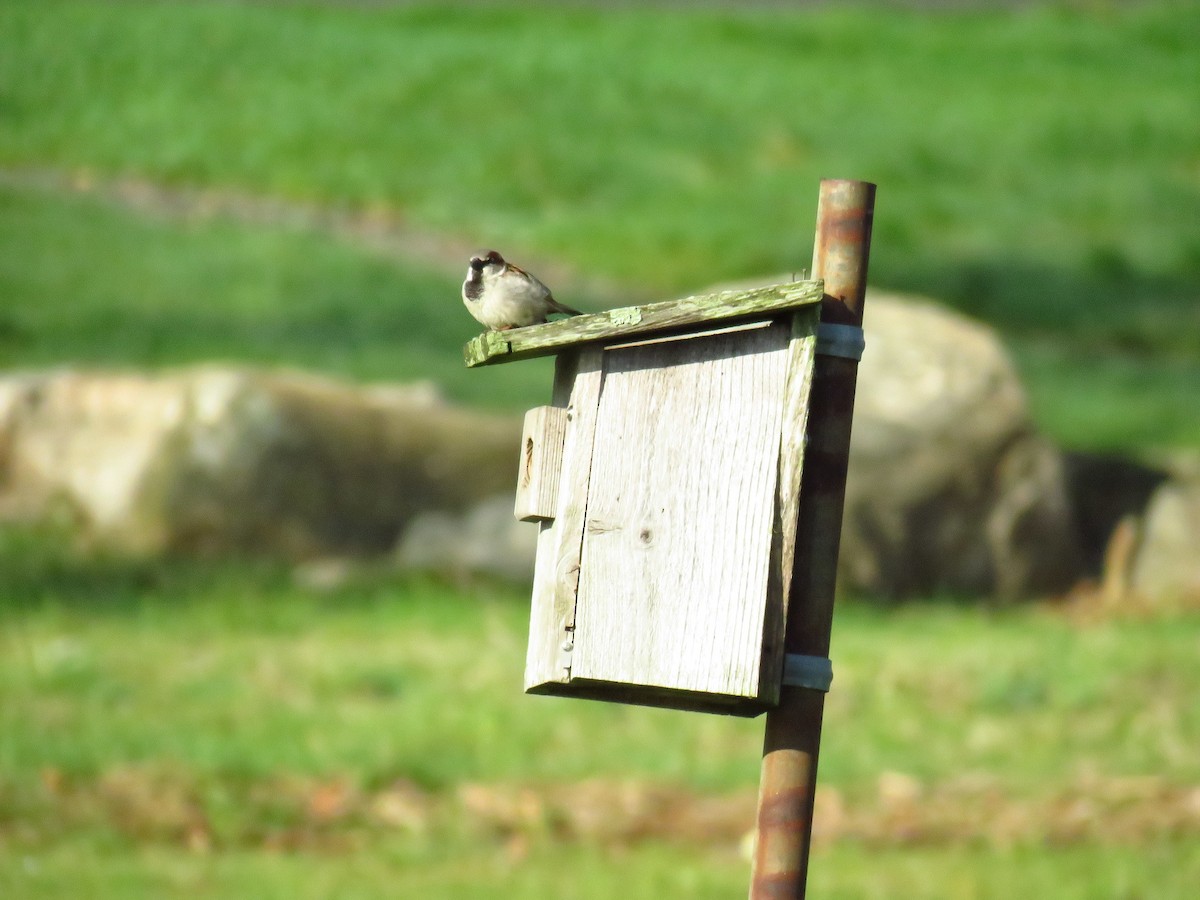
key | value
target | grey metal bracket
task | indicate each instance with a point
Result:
(846, 341)
(813, 672)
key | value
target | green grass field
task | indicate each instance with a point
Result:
(291, 184)
(170, 730)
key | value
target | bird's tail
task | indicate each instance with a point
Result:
(565, 310)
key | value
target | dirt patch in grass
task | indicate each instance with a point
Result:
(155, 804)
(379, 229)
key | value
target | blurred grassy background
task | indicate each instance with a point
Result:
(1038, 168)
(299, 183)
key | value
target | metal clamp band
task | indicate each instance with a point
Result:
(814, 672)
(846, 341)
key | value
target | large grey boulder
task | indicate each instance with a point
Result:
(1166, 567)
(231, 459)
(950, 489)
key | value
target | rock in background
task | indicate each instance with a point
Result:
(237, 460)
(484, 540)
(1165, 568)
(951, 488)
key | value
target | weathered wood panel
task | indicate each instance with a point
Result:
(792, 443)
(681, 508)
(556, 573)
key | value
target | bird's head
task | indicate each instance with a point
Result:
(485, 258)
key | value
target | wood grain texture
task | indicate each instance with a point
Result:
(681, 504)
(801, 354)
(634, 321)
(542, 440)
(556, 573)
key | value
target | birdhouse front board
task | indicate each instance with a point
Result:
(665, 481)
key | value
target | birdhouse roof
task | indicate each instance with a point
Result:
(653, 320)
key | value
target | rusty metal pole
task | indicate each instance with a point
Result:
(793, 730)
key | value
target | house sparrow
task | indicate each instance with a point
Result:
(501, 296)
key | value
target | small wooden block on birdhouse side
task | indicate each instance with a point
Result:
(541, 463)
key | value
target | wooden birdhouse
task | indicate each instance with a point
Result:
(664, 479)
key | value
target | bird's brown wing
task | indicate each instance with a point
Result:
(519, 271)
(554, 305)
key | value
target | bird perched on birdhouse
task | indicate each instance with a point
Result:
(502, 296)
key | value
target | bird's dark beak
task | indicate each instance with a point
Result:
(477, 263)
